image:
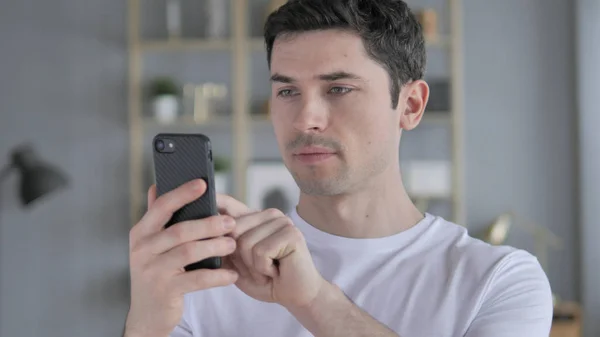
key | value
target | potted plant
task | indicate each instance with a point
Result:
(221, 167)
(164, 95)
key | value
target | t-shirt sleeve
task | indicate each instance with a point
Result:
(518, 300)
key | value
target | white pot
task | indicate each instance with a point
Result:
(221, 183)
(165, 108)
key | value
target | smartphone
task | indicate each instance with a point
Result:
(179, 158)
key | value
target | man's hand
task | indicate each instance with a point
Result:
(157, 258)
(274, 265)
(272, 259)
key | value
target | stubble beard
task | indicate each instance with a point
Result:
(311, 184)
(344, 180)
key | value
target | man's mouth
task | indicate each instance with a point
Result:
(313, 154)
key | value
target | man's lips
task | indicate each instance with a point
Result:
(313, 155)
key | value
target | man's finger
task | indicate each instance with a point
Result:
(191, 252)
(277, 247)
(204, 279)
(246, 222)
(235, 263)
(151, 195)
(249, 246)
(230, 206)
(163, 208)
(187, 231)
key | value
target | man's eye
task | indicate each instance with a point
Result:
(339, 90)
(285, 93)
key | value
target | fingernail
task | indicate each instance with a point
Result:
(198, 184)
(228, 222)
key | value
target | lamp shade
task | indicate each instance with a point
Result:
(37, 177)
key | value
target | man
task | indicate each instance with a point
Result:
(356, 257)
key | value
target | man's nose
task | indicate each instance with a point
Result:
(312, 116)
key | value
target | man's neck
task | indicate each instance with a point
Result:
(379, 209)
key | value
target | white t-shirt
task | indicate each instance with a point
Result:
(431, 280)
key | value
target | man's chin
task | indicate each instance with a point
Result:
(320, 187)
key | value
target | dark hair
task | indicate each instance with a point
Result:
(391, 34)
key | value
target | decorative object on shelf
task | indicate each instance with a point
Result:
(497, 234)
(428, 179)
(273, 6)
(429, 21)
(222, 169)
(271, 185)
(544, 239)
(174, 18)
(217, 19)
(189, 93)
(164, 94)
(261, 109)
(439, 98)
(209, 100)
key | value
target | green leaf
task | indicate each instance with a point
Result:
(163, 86)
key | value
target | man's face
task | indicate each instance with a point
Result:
(332, 112)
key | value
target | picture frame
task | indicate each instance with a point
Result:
(271, 185)
(428, 179)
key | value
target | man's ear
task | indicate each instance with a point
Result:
(413, 100)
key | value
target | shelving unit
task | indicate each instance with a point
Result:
(242, 125)
(186, 44)
(458, 112)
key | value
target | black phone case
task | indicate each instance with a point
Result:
(190, 159)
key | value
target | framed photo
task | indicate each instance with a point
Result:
(271, 185)
(428, 178)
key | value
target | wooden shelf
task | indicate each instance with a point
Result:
(150, 122)
(188, 121)
(185, 44)
(441, 41)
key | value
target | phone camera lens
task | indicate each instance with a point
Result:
(160, 145)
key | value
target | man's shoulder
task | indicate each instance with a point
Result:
(482, 258)
(498, 277)
(460, 241)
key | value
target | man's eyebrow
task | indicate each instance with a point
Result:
(338, 75)
(334, 76)
(282, 78)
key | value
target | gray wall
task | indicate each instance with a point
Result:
(588, 82)
(520, 122)
(64, 262)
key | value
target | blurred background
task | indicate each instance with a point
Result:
(506, 147)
